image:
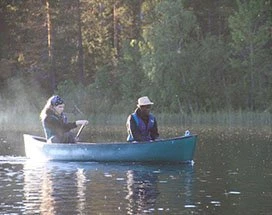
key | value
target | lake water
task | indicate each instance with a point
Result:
(231, 174)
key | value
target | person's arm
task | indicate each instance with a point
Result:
(134, 130)
(58, 126)
(65, 125)
(68, 126)
(154, 130)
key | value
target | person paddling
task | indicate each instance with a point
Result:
(142, 125)
(56, 127)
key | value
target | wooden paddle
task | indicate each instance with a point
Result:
(80, 130)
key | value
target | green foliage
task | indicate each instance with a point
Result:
(131, 75)
(75, 95)
(251, 56)
(171, 34)
(205, 75)
(187, 70)
(187, 56)
(85, 100)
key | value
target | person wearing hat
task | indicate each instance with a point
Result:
(55, 125)
(142, 125)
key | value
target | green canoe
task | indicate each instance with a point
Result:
(177, 149)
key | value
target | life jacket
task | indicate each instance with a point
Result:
(144, 129)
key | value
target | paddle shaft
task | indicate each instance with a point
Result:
(80, 130)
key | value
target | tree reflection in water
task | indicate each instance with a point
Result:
(142, 191)
(97, 188)
(159, 188)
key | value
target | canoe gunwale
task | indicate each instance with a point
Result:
(43, 141)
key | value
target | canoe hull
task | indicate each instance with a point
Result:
(179, 149)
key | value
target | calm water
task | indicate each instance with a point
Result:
(232, 174)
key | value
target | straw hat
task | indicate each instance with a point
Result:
(144, 101)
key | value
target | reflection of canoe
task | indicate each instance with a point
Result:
(178, 149)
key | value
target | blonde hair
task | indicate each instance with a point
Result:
(47, 106)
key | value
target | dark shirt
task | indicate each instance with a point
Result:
(135, 131)
(55, 125)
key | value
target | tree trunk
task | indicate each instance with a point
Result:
(115, 32)
(252, 80)
(137, 22)
(80, 47)
(50, 48)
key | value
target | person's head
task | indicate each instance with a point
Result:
(54, 103)
(144, 104)
(57, 104)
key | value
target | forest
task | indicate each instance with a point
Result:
(188, 56)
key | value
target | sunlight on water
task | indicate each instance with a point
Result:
(189, 206)
(12, 159)
(234, 192)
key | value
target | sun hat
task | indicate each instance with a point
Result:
(144, 101)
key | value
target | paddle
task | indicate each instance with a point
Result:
(80, 130)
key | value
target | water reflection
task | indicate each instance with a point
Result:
(171, 184)
(48, 188)
(84, 188)
(142, 191)
(81, 189)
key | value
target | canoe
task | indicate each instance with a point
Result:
(177, 149)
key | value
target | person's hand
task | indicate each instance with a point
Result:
(82, 122)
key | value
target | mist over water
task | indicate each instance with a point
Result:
(20, 101)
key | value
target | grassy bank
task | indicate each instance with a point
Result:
(30, 121)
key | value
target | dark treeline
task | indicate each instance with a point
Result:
(186, 55)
